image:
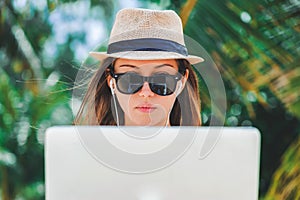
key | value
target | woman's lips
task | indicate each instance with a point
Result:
(145, 108)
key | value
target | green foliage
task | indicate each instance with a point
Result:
(28, 103)
(286, 179)
(24, 119)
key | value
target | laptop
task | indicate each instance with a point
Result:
(152, 163)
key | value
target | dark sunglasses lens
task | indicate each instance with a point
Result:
(129, 83)
(163, 84)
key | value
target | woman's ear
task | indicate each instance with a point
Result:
(182, 82)
(110, 83)
(108, 80)
(185, 78)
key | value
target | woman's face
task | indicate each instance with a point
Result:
(146, 108)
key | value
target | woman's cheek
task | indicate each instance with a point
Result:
(124, 100)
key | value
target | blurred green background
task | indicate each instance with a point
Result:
(255, 45)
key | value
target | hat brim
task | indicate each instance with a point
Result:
(147, 55)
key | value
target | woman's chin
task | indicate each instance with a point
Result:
(146, 122)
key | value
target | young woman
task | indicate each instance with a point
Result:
(146, 77)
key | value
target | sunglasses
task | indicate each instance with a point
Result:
(162, 84)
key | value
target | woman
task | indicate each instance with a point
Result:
(146, 77)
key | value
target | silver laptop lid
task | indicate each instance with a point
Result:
(152, 163)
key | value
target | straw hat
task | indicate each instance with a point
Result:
(143, 34)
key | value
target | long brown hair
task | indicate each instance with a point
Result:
(97, 106)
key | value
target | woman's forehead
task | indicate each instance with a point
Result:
(143, 63)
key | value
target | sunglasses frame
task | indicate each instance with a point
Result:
(116, 76)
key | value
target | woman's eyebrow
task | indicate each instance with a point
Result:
(128, 65)
(163, 65)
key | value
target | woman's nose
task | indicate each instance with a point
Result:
(146, 91)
